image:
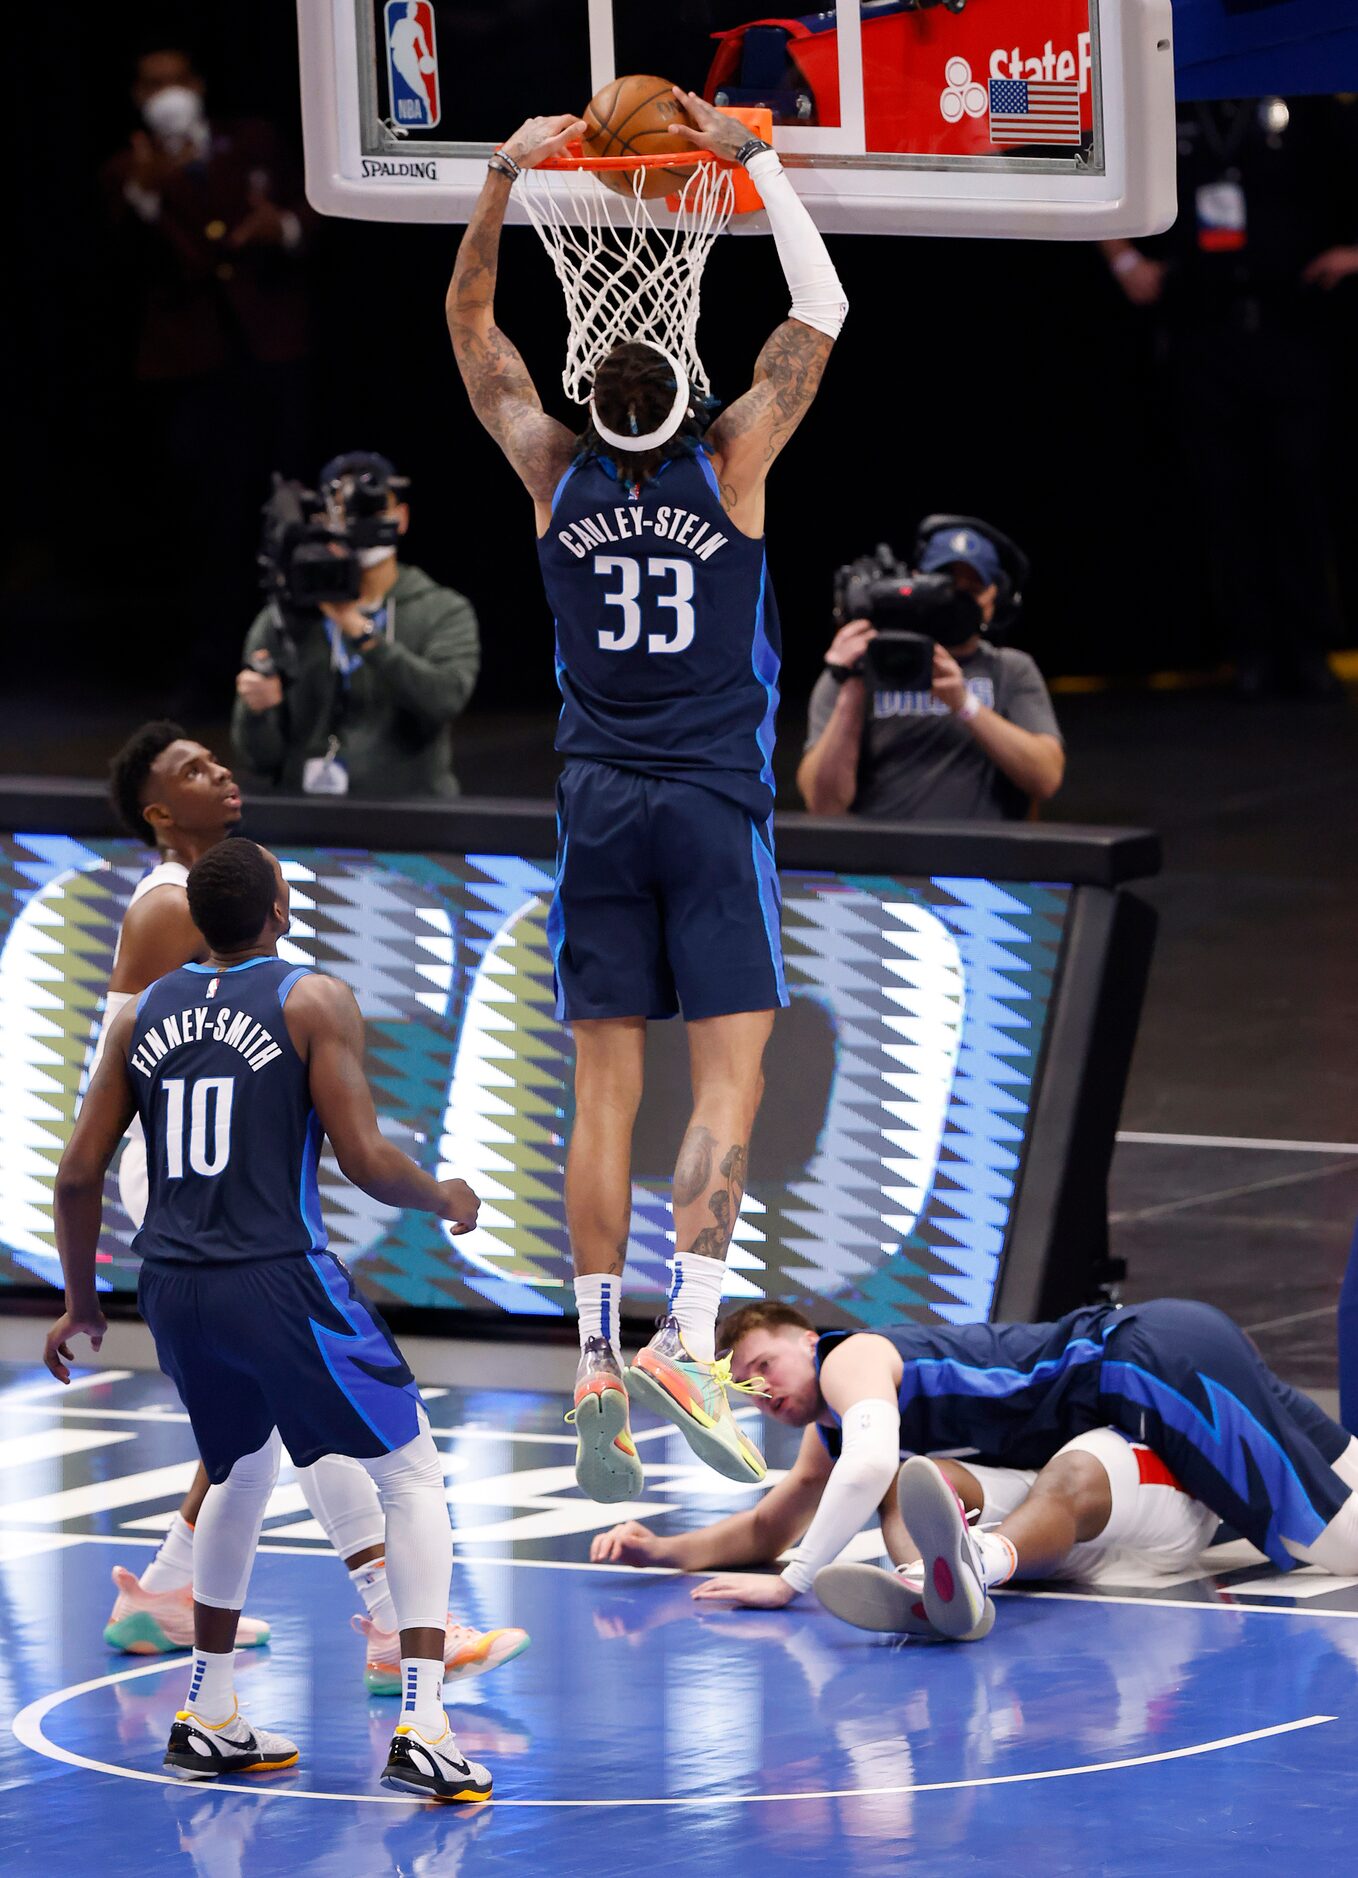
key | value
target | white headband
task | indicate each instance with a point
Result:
(667, 426)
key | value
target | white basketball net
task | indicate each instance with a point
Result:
(623, 274)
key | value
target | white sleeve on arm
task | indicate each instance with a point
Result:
(859, 1479)
(817, 295)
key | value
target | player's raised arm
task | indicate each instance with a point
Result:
(502, 393)
(326, 1026)
(78, 1202)
(750, 433)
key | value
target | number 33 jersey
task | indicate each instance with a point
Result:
(667, 643)
(232, 1141)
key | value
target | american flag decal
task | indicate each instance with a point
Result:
(1026, 110)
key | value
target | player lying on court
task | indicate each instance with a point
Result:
(238, 1067)
(667, 657)
(173, 794)
(1145, 1427)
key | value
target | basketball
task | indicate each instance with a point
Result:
(631, 117)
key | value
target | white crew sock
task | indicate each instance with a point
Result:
(370, 1582)
(695, 1299)
(172, 1566)
(212, 1685)
(999, 1560)
(598, 1300)
(422, 1701)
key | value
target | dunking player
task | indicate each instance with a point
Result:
(1111, 1407)
(174, 795)
(238, 1067)
(651, 545)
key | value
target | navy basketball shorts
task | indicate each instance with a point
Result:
(666, 899)
(286, 1343)
(1189, 1383)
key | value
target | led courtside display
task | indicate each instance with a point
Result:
(884, 1164)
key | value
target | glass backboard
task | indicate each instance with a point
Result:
(1044, 118)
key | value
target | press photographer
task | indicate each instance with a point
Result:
(917, 715)
(356, 666)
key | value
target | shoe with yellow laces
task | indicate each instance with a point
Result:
(668, 1380)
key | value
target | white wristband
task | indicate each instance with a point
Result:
(968, 708)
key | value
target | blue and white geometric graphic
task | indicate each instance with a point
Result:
(883, 1169)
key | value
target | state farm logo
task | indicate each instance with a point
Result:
(962, 96)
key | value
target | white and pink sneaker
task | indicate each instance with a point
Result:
(954, 1580)
(153, 1623)
(466, 1652)
(871, 1597)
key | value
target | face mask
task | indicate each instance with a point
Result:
(374, 557)
(175, 112)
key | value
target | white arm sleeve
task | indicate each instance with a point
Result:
(858, 1481)
(817, 295)
(115, 1003)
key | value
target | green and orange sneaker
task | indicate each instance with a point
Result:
(607, 1465)
(692, 1395)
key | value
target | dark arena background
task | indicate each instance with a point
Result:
(1096, 1054)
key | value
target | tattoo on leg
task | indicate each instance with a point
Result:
(710, 1243)
(724, 1205)
(694, 1169)
(619, 1258)
(733, 1166)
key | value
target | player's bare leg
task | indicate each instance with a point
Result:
(609, 1070)
(677, 1374)
(1070, 1502)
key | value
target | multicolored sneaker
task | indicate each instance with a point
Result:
(466, 1653)
(153, 1623)
(204, 1750)
(870, 1598)
(692, 1395)
(436, 1770)
(607, 1465)
(953, 1584)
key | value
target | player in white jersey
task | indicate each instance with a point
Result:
(1154, 1528)
(176, 796)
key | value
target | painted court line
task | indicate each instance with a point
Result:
(1177, 1604)
(28, 1730)
(1237, 1141)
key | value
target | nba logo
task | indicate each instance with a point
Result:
(212, 987)
(412, 64)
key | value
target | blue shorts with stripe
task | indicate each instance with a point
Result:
(666, 899)
(1188, 1382)
(286, 1343)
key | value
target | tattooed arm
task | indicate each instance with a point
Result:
(747, 437)
(750, 433)
(501, 391)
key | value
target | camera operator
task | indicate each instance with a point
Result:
(356, 667)
(917, 717)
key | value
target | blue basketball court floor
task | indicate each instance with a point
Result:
(1203, 1726)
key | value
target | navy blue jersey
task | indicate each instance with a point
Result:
(232, 1140)
(667, 642)
(1011, 1393)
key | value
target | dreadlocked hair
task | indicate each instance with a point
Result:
(129, 770)
(633, 391)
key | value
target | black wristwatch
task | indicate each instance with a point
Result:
(841, 674)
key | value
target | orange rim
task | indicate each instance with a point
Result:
(679, 159)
